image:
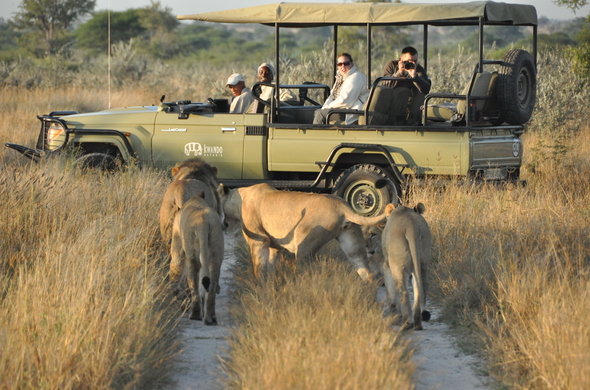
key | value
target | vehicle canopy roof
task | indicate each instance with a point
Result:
(322, 14)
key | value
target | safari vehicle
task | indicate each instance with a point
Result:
(475, 134)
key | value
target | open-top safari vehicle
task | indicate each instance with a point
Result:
(475, 134)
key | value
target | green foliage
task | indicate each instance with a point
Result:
(581, 58)
(581, 53)
(560, 38)
(9, 35)
(47, 21)
(571, 4)
(93, 34)
(151, 27)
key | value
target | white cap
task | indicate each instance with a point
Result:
(234, 79)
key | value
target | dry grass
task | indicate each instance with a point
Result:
(315, 327)
(81, 277)
(82, 303)
(514, 262)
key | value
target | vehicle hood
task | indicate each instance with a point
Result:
(118, 111)
(141, 115)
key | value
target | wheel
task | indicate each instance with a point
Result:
(517, 89)
(101, 161)
(357, 186)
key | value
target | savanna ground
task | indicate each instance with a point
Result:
(84, 301)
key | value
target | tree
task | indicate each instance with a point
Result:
(93, 34)
(151, 28)
(50, 19)
(574, 5)
(581, 53)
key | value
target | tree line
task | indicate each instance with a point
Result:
(46, 28)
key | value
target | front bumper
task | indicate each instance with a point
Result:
(34, 154)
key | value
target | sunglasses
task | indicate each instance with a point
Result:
(343, 63)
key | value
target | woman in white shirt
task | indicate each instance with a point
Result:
(349, 91)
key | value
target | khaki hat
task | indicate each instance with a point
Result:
(234, 79)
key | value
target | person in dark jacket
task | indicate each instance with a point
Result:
(407, 67)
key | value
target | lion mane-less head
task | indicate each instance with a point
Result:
(193, 168)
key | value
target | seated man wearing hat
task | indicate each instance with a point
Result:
(242, 96)
(265, 74)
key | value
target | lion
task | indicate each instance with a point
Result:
(403, 249)
(189, 178)
(298, 222)
(197, 247)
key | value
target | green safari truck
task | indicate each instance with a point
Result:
(474, 134)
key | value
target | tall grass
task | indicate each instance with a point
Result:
(512, 266)
(83, 301)
(315, 326)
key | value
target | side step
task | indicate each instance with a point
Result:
(282, 184)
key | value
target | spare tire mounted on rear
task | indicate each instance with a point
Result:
(516, 91)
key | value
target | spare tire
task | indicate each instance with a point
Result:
(517, 89)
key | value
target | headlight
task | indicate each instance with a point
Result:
(56, 136)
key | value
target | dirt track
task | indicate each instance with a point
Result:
(440, 365)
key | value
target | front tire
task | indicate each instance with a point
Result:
(357, 186)
(100, 161)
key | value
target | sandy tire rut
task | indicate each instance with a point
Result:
(439, 364)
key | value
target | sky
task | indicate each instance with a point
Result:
(179, 7)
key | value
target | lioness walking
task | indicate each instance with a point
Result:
(189, 178)
(298, 222)
(406, 244)
(197, 247)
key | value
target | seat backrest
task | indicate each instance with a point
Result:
(378, 106)
(483, 86)
(399, 109)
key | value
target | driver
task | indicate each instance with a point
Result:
(242, 96)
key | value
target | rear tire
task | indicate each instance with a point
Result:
(517, 89)
(357, 186)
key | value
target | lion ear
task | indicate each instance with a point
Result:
(222, 189)
(420, 208)
(389, 209)
(174, 171)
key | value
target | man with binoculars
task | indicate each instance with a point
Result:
(407, 67)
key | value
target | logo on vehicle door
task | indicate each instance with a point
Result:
(203, 150)
(193, 147)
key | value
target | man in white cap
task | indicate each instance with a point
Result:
(242, 96)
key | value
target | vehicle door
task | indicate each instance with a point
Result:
(217, 138)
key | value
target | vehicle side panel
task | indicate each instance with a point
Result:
(216, 137)
(136, 124)
(427, 152)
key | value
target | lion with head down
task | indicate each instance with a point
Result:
(189, 178)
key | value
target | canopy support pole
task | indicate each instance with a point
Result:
(480, 66)
(425, 44)
(335, 53)
(274, 109)
(369, 42)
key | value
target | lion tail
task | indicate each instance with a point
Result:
(353, 217)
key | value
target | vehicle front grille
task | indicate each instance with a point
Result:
(42, 140)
